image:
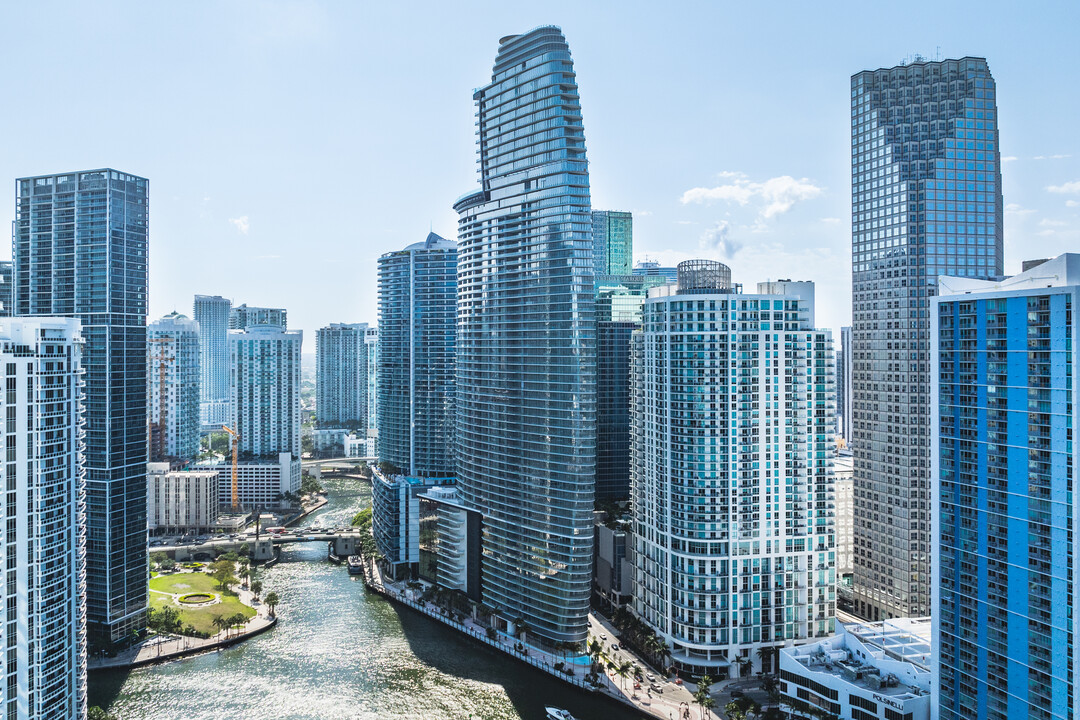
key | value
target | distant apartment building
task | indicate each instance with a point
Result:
(874, 671)
(1005, 401)
(181, 501)
(613, 562)
(371, 340)
(844, 404)
(44, 537)
(732, 419)
(7, 289)
(264, 385)
(651, 268)
(416, 357)
(613, 242)
(925, 201)
(341, 377)
(260, 484)
(172, 345)
(80, 250)
(242, 317)
(211, 314)
(844, 479)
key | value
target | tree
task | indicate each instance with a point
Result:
(734, 711)
(256, 588)
(222, 571)
(765, 655)
(220, 622)
(624, 670)
(272, 601)
(96, 713)
(744, 665)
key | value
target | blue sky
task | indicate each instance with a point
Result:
(289, 144)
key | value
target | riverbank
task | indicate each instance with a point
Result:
(166, 648)
(536, 657)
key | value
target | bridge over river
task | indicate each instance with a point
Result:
(343, 542)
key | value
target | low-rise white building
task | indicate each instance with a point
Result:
(179, 501)
(871, 671)
(259, 484)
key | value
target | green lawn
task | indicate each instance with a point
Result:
(201, 618)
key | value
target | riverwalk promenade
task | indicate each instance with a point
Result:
(163, 648)
(673, 703)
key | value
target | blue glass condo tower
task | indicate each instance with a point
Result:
(526, 345)
(80, 250)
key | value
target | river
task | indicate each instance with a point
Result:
(340, 653)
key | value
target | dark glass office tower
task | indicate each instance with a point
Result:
(926, 201)
(80, 250)
(526, 345)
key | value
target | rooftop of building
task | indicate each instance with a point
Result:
(1061, 271)
(891, 657)
(432, 242)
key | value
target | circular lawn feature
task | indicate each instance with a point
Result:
(197, 598)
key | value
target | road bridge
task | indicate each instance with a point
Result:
(344, 542)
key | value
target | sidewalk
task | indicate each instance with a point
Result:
(162, 648)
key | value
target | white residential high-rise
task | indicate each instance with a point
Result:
(172, 346)
(264, 387)
(371, 337)
(243, 317)
(44, 535)
(732, 402)
(341, 377)
(212, 316)
(179, 501)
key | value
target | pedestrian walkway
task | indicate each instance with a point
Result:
(162, 648)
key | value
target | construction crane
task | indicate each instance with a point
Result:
(235, 443)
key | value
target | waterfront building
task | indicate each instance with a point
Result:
(613, 561)
(44, 538)
(181, 501)
(732, 417)
(651, 268)
(329, 442)
(613, 242)
(243, 317)
(526, 406)
(450, 539)
(80, 250)
(843, 386)
(173, 369)
(264, 389)
(1006, 500)
(925, 201)
(211, 313)
(261, 483)
(341, 377)
(7, 288)
(875, 671)
(395, 518)
(416, 361)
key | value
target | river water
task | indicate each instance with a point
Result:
(340, 653)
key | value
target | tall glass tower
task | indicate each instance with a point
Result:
(80, 250)
(341, 377)
(173, 356)
(926, 201)
(212, 315)
(417, 327)
(613, 242)
(1005, 487)
(526, 345)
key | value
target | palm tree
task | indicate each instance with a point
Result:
(245, 575)
(765, 655)
(256, 588)
(623, 671)
(662, 652)
(220, 623)
(272, 600)
(706, 703)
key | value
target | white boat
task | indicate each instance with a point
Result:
(555, 713)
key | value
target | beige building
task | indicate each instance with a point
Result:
(180, 500)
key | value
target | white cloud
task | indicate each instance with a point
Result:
(684, 222)
(778, 194)
(1015, 209)
(1051, 157)
(830, 221)
(242, 224)
(718, 238)
(1051, 223)
(1009, 158)
(1071, 203)
(1069, 188)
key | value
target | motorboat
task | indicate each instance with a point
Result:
(555, 713)
(355, 564)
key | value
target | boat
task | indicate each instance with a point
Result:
(555, 713)
(356, 565)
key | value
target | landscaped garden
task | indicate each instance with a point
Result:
(193, 595)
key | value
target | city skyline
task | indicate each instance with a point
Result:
(211, 219)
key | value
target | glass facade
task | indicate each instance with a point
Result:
(526, 345)
(44, 534)
(242, 317)
(613, 242)
(926, 201)
(1005, 487)
(173, 370)
(341, 377)
(732, 443)
(264, 386)
(211, 312)
(417, 345)
(80, 250)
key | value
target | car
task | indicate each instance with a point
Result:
(736, 694)
(614, 646)
(603, 637)
(650, 677)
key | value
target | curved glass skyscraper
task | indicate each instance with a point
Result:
(417, 323)
(526, 353)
